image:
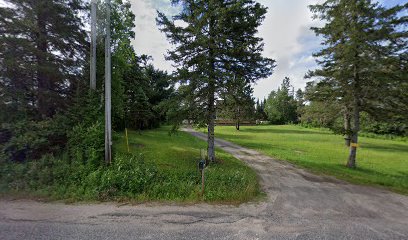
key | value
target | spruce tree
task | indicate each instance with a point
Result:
(359, 38)
(217, 37)
(42, 49)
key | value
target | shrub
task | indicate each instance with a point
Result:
(86, 144)
(32, 139)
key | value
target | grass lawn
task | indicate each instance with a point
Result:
(379, 162)
(177, 156)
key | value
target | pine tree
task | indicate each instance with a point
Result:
(358, 36)
(217, 37)
(42, 49)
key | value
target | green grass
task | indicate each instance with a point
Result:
(176, 157)
(380, 162)
(159, 167)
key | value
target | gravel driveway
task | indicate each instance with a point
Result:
(299, 205)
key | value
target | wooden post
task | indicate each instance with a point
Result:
(202, 183)
(127, 140)
(93, 46)
(108, 86)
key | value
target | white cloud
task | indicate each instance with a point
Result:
(149, 40)
(289, 41)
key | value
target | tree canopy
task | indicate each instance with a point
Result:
(361, 62)
(217, 40)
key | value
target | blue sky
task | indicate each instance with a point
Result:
(285, 31)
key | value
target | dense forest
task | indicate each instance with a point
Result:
(49, 116)
(45, 77)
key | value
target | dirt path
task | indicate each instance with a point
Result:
(299, 205)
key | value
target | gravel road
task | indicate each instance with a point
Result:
(299, 205)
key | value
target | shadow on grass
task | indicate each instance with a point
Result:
(283, 131)
(387, 148)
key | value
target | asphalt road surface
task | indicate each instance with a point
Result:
(299, 205)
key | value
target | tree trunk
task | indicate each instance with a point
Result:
(238, 122)
(42, 77)
(210, 139)
(354, 138)
(356, 118)
(347, 127)
(211, 98)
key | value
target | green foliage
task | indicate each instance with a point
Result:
(362, 62)
(32, 139)
(281, 106)
(237, 102)
(329, 115)
(216, 43)
(226, 184)
(165, 169)
(322, 114)
(176, 157)
(42, 52)
(86, 144)
(128, 176)
(260, 110)
(394, 128)
(137, 87)
(62, 178)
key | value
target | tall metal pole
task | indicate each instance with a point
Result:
(92, 83)
(108, 79)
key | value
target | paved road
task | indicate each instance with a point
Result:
(299, 205)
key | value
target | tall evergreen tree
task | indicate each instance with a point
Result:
(216, 37)
(361, 39)
(42, 49)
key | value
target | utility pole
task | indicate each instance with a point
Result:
(93, 46)
(108, 79)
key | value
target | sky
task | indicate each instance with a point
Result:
(285, 30)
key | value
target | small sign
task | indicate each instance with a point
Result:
(354, 145)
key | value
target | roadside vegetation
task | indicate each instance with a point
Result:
(159, 167)
(382, 162)
(176, 158)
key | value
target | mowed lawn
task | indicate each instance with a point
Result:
(177, 157)
(379, 162)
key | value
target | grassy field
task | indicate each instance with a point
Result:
(177, 156)
(379, 162)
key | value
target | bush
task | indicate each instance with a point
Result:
(86, 144)
(128, 176)
(25, 140)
